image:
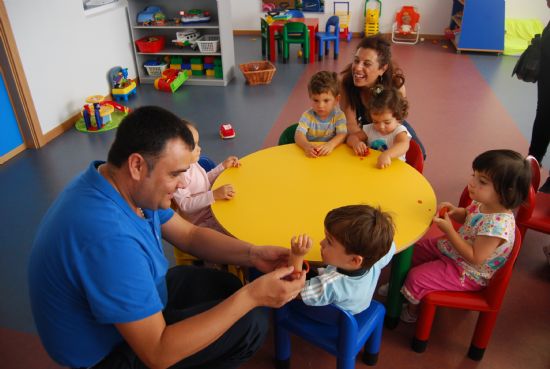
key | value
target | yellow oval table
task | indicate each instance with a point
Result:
(281, 193)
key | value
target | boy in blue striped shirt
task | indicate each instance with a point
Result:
(324, 121)
(358, 243)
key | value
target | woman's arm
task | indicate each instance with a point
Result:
(356, 137)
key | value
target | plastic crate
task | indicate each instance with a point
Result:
(208, 43)
(258, 72)
(151, 44)
(155, 70)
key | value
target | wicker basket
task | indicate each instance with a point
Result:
(258, 72)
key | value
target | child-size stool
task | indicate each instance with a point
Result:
(324, 38)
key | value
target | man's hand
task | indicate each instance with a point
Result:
(273, 290)
(268, 258)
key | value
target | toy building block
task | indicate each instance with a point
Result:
(171, 80)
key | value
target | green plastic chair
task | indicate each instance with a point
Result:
(287, 136)
(265, 39)
(295, 33)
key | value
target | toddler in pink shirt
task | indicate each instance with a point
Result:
(195, 198)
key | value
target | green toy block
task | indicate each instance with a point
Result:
(182, 77)
(218, 72)
(175, 59)
(218, 61)
(196, 60)
(198, 72)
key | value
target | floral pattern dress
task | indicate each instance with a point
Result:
(501, 225)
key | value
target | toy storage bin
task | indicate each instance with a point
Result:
(151, 44)
(258, 72)
(155, 68)
(208, 43)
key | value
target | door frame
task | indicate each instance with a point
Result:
(18, 88)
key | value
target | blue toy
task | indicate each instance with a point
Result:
(151, 15)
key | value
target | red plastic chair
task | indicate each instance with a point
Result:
(414, 156)
(486, 301)
(535, 213)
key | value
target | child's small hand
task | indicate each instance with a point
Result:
(445, 208)
(311, 151)
(231, 161)
(361, 149)
(384, 160)
(444, 224)
(300, 245)
(325, 149)
(225, 192)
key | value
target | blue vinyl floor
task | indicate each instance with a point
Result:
(461, 105)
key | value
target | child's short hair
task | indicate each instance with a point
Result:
(362, 230)
(388, 98)
(509, 172)
(323, 82)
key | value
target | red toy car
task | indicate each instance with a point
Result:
(226, 131)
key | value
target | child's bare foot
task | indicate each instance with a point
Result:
(409, 313)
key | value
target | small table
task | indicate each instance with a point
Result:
(277, 26)
(281, 193)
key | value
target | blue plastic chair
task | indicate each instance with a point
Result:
(206, 163)
(332, 329)
(324, 38)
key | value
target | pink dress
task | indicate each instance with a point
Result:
(437, 266)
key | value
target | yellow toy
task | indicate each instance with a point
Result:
(373, 10)
(344, 19)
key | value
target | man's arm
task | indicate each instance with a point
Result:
(159, 345)
(206, 243)
(216, 247)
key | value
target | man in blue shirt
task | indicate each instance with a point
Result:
(101, 292)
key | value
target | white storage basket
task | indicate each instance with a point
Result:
(208, 43)
(155, 70)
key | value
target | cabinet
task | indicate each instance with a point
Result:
(219, 24)
(478, 25)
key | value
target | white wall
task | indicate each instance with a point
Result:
(435, 14)
(66, 55)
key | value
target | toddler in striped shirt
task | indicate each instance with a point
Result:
(358, 243)
(324, 122)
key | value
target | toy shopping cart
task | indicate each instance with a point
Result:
(344, 17)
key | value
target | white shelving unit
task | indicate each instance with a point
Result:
(220, 24)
